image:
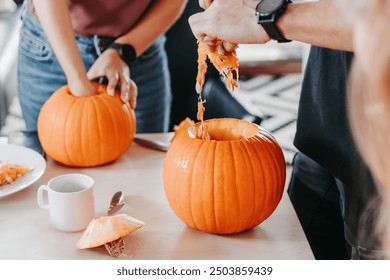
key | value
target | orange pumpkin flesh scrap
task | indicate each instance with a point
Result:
(109, 231)
(202, 66)
(227, 185)
(226, 66)
(201, 132)
(85, 131)
(183, 125)
(9, 173)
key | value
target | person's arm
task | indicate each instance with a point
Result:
(321, 23)
(318, 23)
(55, 19)
(160, 16)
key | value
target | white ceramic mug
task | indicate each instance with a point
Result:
(70, 201)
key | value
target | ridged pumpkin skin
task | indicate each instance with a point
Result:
(85, 131)
(226, 185)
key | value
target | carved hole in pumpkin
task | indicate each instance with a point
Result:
(100, 89)
(226, 129)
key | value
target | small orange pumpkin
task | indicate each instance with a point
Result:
(85, 131)
(228, 184)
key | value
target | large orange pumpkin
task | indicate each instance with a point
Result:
(228, 184)
(85, 131)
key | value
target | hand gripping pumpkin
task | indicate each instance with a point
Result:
(228, 184)
(85, 131)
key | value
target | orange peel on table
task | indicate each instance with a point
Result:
(109, 231)
(9, 173)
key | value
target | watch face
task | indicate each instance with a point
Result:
(267, 7)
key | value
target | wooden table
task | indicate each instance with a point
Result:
(26, 233)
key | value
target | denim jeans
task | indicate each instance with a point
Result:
(40, 75)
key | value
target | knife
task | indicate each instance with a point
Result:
(152, 144)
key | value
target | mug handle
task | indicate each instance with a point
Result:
(41, 202)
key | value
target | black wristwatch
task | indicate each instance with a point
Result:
(126, 51)
(267, 12)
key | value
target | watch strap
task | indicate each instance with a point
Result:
(126, 51)
(272, 31)
(269, 23)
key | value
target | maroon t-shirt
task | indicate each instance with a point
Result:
(110, 18)
(105, 18)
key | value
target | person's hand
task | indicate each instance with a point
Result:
(110, 65)
(226, 23)
(214, 43)
(81, 86)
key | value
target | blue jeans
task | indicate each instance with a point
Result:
(40, 75)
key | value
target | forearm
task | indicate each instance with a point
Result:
(55, 19)
(317, 23)
(157, 21)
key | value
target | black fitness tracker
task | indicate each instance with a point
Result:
(267, 13)
(125, 51)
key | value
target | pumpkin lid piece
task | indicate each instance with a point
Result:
(107, 229)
